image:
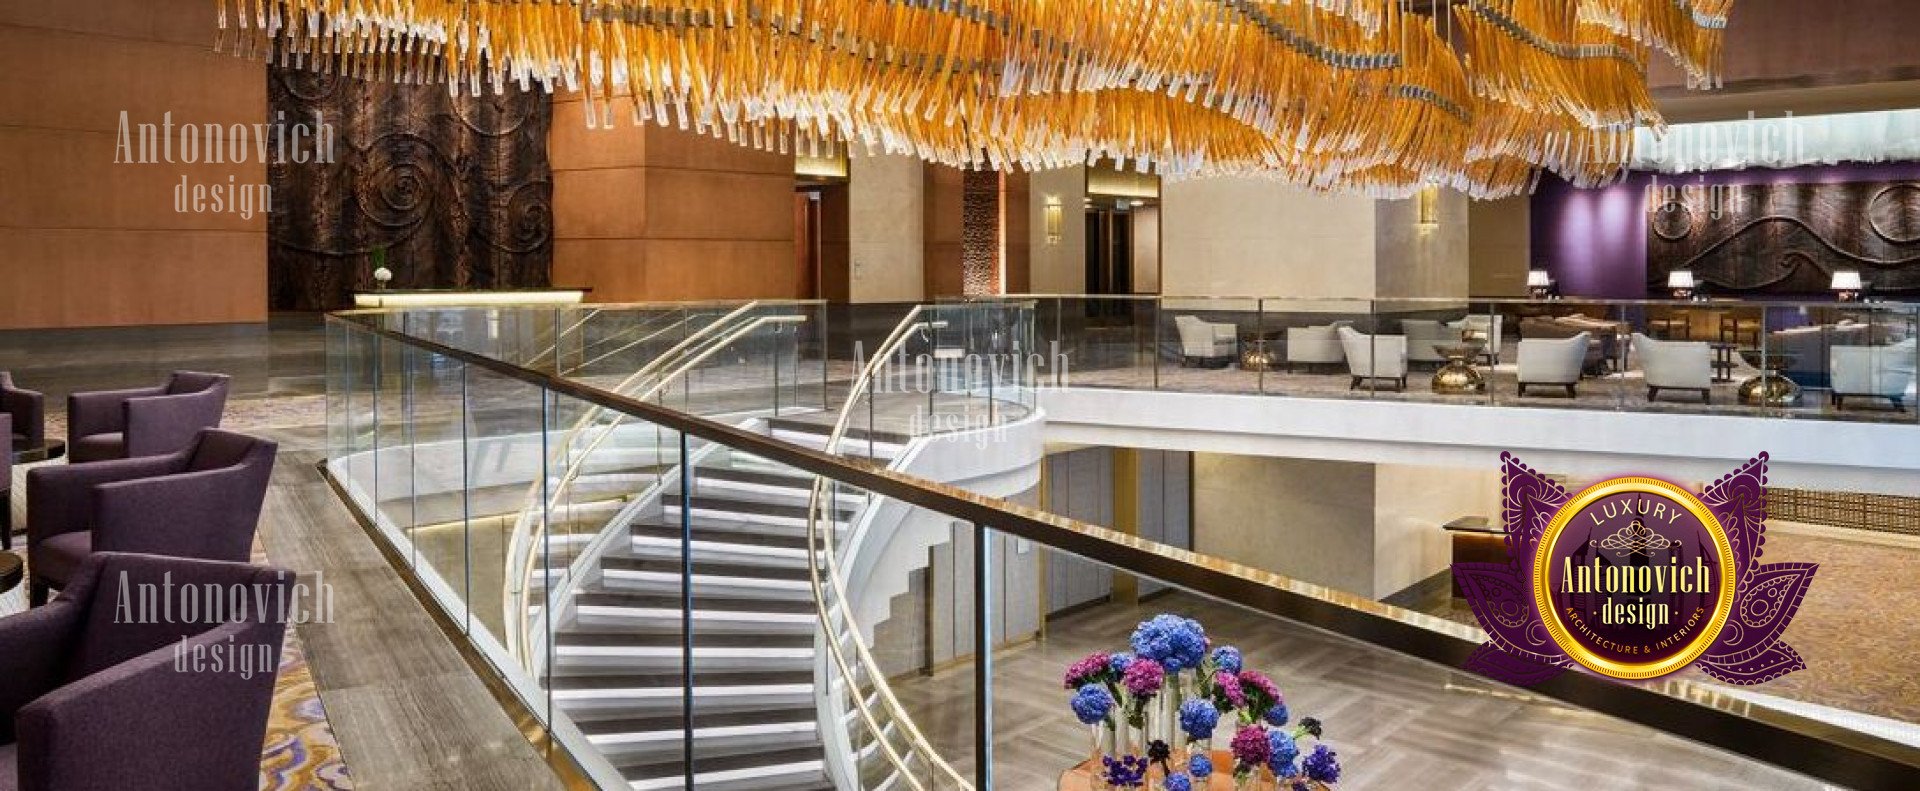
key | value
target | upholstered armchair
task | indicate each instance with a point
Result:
(150, 421)
(200, 502)
(1311, 346)
(29, 412)
(1422, 336)
(1873, 372)
(1553, 362)
(92, 699)
(1675, 365)
(1204, 342)
(1373, 358)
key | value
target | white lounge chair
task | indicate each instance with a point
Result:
(1553, 362)
(1873, 372)
(1204, 342)
(1675, 365)
(1372, 358)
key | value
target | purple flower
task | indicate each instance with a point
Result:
(1251, 748)
(1087, 670)
(1227, 659)
(1176, 643)
(1277, 716)
(1125, 772)
(1285, 751)
(1227, 692)
(1118, 663)
(1201, 765)
(1321, 765)
(1179, 783)
(1092, 704)
(1261, 694)
(1144, 678)
(1198, 718)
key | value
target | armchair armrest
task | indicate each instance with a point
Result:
(144, 723)
(60, 498)
(163, 424)
(38, 642)
(101, 412)
(29, 411)
(195, 507)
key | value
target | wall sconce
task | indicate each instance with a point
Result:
(1426, 207)
(1539, 283)
(1682, 283)
(1054, 219)
(1847, 286)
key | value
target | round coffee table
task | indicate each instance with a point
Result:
(55, 448)
(12, 569)
(1458, 376)
(1771, 387)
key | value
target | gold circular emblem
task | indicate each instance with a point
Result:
(1556, 623)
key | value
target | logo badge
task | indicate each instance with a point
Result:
(1634, 578)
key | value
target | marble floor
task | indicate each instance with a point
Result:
(1396, 723)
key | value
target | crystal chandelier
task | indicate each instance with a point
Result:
(1377, 97)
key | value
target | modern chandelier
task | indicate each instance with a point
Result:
(1378, 97)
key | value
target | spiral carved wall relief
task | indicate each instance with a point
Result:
(458, 191)
(1788, 238)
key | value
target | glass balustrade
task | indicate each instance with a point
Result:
(736, 567)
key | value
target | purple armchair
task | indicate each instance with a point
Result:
(125, 424)
(92, 700)
(29, 411)
(201, 502)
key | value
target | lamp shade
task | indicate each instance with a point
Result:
(1680, 278)
(1538, 278)
(1846, 280)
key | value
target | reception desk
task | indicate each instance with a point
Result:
(452, 298)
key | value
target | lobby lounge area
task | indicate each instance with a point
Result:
(738, 395)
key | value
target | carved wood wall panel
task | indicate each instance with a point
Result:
(1780, 239)
(459, 191)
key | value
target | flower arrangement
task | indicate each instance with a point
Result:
(1175, 690)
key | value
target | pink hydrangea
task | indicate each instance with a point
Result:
(1229, 686)
(1087, 670)
(1144, 678)
(1259, 681)
(1251, 747)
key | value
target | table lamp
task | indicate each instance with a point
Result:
(1681, 281)
(1539, 283)
(1847, 286)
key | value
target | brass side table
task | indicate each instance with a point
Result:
(1458, 376)
(1771, 387)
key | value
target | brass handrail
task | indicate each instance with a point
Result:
(820, 542)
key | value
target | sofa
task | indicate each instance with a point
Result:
(1315, 346)
(1811, 346)
(1423, 335)
(1603, 351)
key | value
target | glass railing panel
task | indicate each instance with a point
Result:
(1561, 353)
(1351, 697)
(1204, 345)
(435, 458)
(1844, 361)
(392, 473)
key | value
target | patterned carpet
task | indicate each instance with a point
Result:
(300, 751)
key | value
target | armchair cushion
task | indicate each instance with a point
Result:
(112, 445)
(57, 557)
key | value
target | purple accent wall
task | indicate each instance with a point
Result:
(1594, 241)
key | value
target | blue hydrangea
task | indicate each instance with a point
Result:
(1200, 765)
(1120, 662)
(1321, 765)
(1227, 658)
(1285, 751)
(1277, 716)
(1092, 704)
(1177, 643)
(1179, 783)
(1198, 718)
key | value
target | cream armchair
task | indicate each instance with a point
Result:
(1375, 357)
(1310, 346)
(1423, 335)
(1553, 362)
(1675, 365)
(1873, 372)
(1205, 342)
